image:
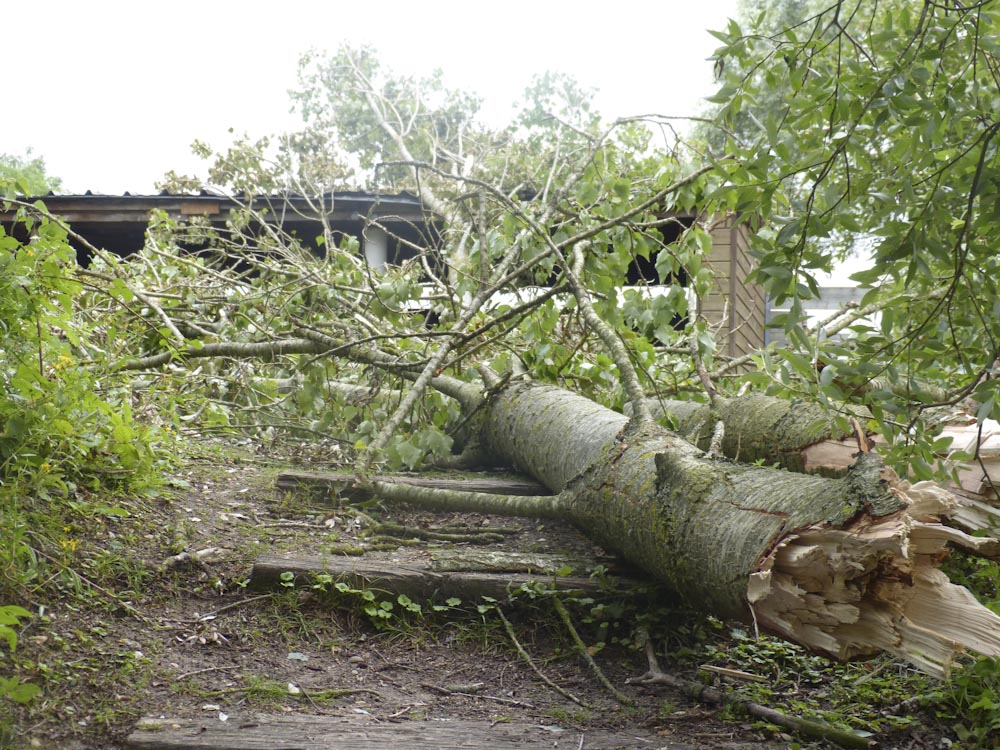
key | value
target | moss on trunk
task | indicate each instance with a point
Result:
(846, 567)
(758, 428)
(699, 524)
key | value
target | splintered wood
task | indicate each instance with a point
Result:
(875, 586)
(974, 484)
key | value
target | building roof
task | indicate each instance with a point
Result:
(118, 222)
(348, 206)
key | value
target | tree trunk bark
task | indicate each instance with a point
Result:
(768, 430)
(661, 502)
(800, 437)
(844, 566)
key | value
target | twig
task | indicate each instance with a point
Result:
(564, 616)
(398, 531)
(735, 674)
(719, 432)
(307, 696)
(496, 698)
(206, 669)
(232, 605)
(531, 662)
(405, 710)
(718, 435)
(865, 444)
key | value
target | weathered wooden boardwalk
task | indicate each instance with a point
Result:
(415, 579)
(301, 732)
(496, 566)
(343, 483)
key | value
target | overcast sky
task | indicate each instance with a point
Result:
(111, 94)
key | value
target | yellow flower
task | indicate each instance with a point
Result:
(70, 545)
(45, 466)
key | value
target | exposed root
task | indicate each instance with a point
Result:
(875, 586)
(705, 694)
(582, 648)
(531, 662)
(386, 530)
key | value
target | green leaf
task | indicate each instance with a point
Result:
(409, 453)
(791, 231)
(8, 635)
(17, 691)
(11, 614)
(985, 410)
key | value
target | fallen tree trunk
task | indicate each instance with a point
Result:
(800, 437)
(846, 567)
(797, 436)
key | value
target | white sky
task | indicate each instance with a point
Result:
(111, 94)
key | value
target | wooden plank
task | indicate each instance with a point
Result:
(741, 308)
(757, 312)
(716, 300)
(419, 580)
(719, 260)
(714, 303)
(342, 483)
(742, 342)
(744, 265)
(199, 208)
(300, 732)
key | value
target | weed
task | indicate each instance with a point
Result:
(11, 687)
(979, 575)
(970, 704)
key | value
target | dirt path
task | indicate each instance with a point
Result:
(203, 656)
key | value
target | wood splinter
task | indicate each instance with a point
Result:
(875, 586)
(865, 444)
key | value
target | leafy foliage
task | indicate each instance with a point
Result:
(495, 282)
(68, 437)
(12, 687)
(27, 174)
(884, 140)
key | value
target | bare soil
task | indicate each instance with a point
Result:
(194, 639)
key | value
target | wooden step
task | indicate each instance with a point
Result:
(342, 484)
(418, 580)
(296, 732)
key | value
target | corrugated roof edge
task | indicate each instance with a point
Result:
(346, 194)
(403, 206)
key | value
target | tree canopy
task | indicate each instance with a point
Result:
(28, 174)
(886, 134)
(842, 127)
